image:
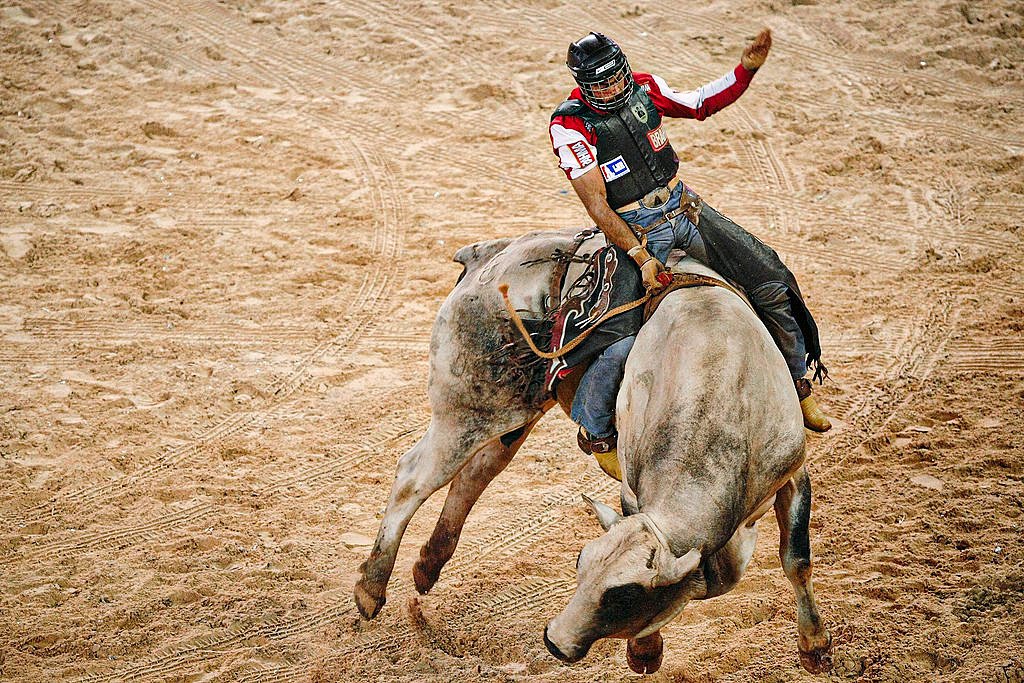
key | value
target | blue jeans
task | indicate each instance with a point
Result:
(594, 404)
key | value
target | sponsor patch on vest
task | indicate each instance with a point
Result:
(582, 154)
(616, 168)
(657, 138)
(640, 111)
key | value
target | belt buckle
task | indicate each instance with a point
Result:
(655, 198)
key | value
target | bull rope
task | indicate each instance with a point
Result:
(679, 281)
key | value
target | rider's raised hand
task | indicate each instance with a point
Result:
(757, 51)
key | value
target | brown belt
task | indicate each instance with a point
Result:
(653, 199)
(640, 230)
(690, 205)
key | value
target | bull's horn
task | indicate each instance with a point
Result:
(605, 515)
(676, 568)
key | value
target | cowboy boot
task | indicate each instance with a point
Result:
(603, 450)
(815, 418)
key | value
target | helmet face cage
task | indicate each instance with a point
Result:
(610, 93)
(602, 72)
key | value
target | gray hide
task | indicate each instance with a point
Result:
(710, 433)
(482, 403)
(709, 430)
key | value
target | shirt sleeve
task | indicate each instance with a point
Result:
(574, 145)
(705, 100)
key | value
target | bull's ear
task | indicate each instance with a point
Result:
(605, 515)
(673, 569)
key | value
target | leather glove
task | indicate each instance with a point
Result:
(757, 51)
(650, 270)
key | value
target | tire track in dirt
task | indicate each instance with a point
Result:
(220, 208)
(957, 206)
(342, 462)
(857, 65)
(850, 65)
(1010, 209)
(389, 213)
(912, 361)
(277, 57)
(115, 332)
(517, 599)
(403, 341)
(993, 355)
(512, 537)
(264, 52)
(945, 128)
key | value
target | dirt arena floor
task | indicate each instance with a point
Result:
(226, 228)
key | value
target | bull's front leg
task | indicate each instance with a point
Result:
(419, 475)
(793, 510)
(450, 442)
(644, 654)
(462, 495)
(435, 459)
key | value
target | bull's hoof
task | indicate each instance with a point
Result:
(424, 577)
(644, 655)
(819, 659)
(367, 603)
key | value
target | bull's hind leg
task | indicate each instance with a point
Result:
(466, 488)
(793, 510)
(430, 464)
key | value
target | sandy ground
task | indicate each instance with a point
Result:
(226, 228)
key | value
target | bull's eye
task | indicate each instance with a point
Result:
(578, 559)
(621, 600)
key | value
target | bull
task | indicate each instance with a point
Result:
(710, 438)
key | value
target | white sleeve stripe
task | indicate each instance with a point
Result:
(575, 154)
(695, 98)
(560, 135)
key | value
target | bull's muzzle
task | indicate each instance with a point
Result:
(557, 653)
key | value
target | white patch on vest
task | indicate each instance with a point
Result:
(616, 168)
(582, 154)
(640, 112)
(657, 138)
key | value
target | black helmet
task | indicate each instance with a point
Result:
(601, 71)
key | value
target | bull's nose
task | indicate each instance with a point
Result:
(553, 649)
(557, 653)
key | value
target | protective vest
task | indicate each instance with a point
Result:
(633, 150)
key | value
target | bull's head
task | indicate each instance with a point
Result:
(629, 585)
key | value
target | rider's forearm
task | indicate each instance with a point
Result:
(618, 232)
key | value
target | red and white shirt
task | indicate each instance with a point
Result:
(575, 144)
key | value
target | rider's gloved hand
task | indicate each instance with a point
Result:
(650, 270)
(757, 51)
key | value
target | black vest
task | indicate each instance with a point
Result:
(632, 148)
